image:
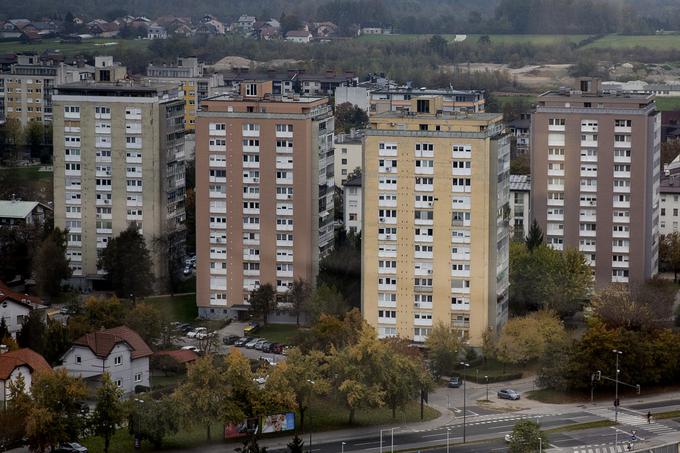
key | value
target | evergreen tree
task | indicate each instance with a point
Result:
(262, 301)
(127, 262)
(33, 333)
(50, 265)
(535, 236)
(296, 445)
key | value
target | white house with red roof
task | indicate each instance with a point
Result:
(22, 362)
(15, 307)
(119, 351)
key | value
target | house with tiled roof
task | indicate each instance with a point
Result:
(15, 307)
(22, 362)
(300, 36)
(120, 351)
(181, 356)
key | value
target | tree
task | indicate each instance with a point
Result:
(128, 265)
(58, 341)
(527, 437)
(97, 313)
(341, 269)
(535, 236)
(201, 396)
(4, 331)
(327, 300)
(13, 414)
(147, 321)
(296, 445)
(445, 346)
(616, 307)
(35, 139)
(153, 420)
(262, 300)
(33, 333)
(250, 446)
(437, 45)
(669, 253)
(358, 373)
(669, 151)
(289, 22)
(520, 165)
(17, 247)
(525, 338)
(50, 266)
(349, 116)
(109, 410)
(331, 332)
(300, 371)
(489, 344)
(405, 377)
(298, 296)
(55, 415)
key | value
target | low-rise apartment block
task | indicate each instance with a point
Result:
(352, 198)
(435, 231)
(348, 155)
(520, 205)
(265, 186)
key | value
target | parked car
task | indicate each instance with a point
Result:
(252, 342)
(191, 348)
(454, 382)
(508, 437)
(276, 348)
(230, 339)
(241, 342)
(259, 344)
(250, 328)
(71, 447)
(198, 330)
(266, 346)
(186, 328)
(508, 394)
(270, 360)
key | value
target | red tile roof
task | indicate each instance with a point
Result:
(7, 294)
(9, 361)
(180, 355)
(102, 342)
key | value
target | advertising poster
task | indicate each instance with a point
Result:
(278, 423)
(234, 430)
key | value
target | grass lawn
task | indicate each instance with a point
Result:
(95, 46)
(28, 183)
(278, 333)
(177, 308)
(160, 380)
(656, 42)
(496, 39)
(666, 415)
(325, 416)
(580, 426)
(667, 104)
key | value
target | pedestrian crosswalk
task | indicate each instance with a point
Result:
(634, 420)
(602, 448)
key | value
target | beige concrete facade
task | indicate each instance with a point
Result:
(595, 179)
(118, 160)
(264, 186)
(435, 224)
(348, 155)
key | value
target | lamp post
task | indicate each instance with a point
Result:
(448, 433)
(616, 397)
(392, 439)
(310, 415)
(486, 378)
(138, 437)
(464, 365)
(540, 445)
(342, 447)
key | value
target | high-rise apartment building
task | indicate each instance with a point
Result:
(26, 90)
(190, 75)
(595, 168)
(118, 160)
(436, 222)
(264, 187)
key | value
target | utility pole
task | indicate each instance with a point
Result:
(464, 365)
(616, 397)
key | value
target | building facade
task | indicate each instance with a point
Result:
(26, 90)
(436, 223)
(520, 205)
(595, 178)
(352, 197)
(669, 206)
(402, 99)
(195, 84)
(348, 155)
(265, 185)
(119, 160)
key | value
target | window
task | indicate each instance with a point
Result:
(557, 121)
(79, 360)
(119, 383)
(118, 360)
(138, 377)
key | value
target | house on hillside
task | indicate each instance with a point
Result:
(119, 351)
(325, 29)
(156, 31)
(15, 307)
(299, 36)
(22, 362)
(103, 29)
(16, 212)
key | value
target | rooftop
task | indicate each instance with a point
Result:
(520, 183)
(102, 342)
(354, 181)
(440, 116)
(122, 89)
(9, 361)
(6, 294)
(267, 98)
(14, 209)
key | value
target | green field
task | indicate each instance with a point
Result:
(656, 42)
(70, 49)
(667, 104)
(177, 308)
(278, 333)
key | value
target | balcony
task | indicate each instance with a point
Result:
(420, 254)
(620, 249)
(588, 217)
(556, 187)
(622, 145)
(588, 143)
(280, 243)
(424, 188)
(423, 238)
(619, 279)
(387, 186)
(387, 237)
(283, 165)
(587, 248)
(555, 202)
(587, 233)
(247, 210)
(133, 115)
(556, 128)
(217, 132)
(222, 148)
(422, 322)
(588, 173)
(251, 164)
(284, 227)
(620, 264)
(284, 181)
(131, 188)
(133, 160)
(423, 171)
(217, 271)
(284, 134)
(251, 226)
(420, 221)
(555, 172)
(621, 234)
(251, 180)
(251, 149)
(621, 219)
(284, 274)
(589, 188)
(393, 203)
(554, 231)
(622, 160)
(460, 273)
(589, 129)
(622, 204)
(461, 171)
(556, 217)
(249, 257)
(556, 157)
(621, 189)
(622, 174)
(105, 188)
(134, 145)
(456, 239)
(423, 305)
(252, 196)
(218, 179)
(284, 212)
(250, 133)
(588, 158)
(284, 258)
(391, 321)
(133, 128)
(218, 225)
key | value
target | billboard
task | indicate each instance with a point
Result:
(278, 422)
(247, 426)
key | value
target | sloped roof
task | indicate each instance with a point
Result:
(6, 294)
(298, 34)
(180, 355)
(102, 342)
(15, 209)
(9, 361)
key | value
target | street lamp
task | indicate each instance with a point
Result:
(342, 447)
(310, 415)
(616, 397)
(448, 433)
(464, 365)
(486, 378)
(138, 427)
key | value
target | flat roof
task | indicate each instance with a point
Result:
(121, 87)
(599, 95)
(271, 98)
(520, 183)
(477, 116)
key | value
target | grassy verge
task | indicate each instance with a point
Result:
(580, 426)
(554, 397)
(666, 415)
(177, 308)
(98, 46)
(278, 333)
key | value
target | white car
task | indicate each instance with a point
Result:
(201, 335)
(508, 437)
(190, 348)
(269, 360)
(261, 380)
(198, 330)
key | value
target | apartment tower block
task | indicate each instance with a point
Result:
(435, 222)
(595, 169)
(264, 188)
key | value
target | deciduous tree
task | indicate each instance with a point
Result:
(153, 420)
(525, 338)
(262, 301)
(404, 378)
(527, 437)
(326, 300)
(128, 265)
(349, 116)
(109, 410)
(445, 347)
(304, 374)
(669, 253)
(50, 266)
(33, 333)
(147, 321)
(299, 295)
